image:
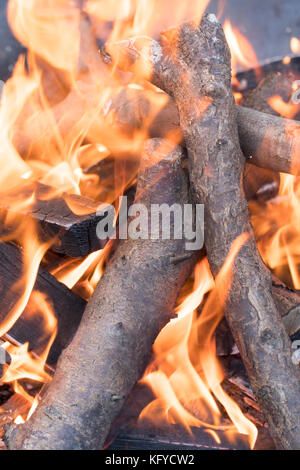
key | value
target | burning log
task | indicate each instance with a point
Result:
(134, 300)
(15, 406)
(268, 141)
(273, 92)
(200, 58)
(67, 306)
(288, 304)
(260, 183)
(74, 230)
(287, 301)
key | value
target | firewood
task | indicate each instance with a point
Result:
(193, 65)
(16, 405)
(67, 306)
(133, 301)
(131, 106)
(267, 141)
(275, 84)
(75, 235)
(287, 301)
(261, 183)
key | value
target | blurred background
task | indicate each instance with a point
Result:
(268, 25)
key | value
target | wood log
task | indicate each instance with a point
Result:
(67, 306)
(287, 301)
(15, 406)
(260, 183)
(133, 301)
(74, 234)
(276, 85)
(193, 64)
(267, 141)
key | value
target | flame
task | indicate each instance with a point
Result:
(83, 276)
(286, 60)
(42, 26)
(26, 365)
(185, 375)
(143, 17)
(242, 53)
(287, 110)
(72, 123)
(295, 45)
(277, 230)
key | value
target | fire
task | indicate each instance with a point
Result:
(287, 110)
(278, 233)
(295, 45)
(286, 60)
(186, 377)
(60, 118)
(242, 53)
(26, 365)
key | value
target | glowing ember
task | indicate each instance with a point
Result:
(187, 380)
(295, 45)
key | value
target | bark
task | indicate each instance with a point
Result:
(133, 301)
(67, 306)
(267, 141)
(260, 183)
(287, 301)
(193, 64)
(288, 304)
(275, 84)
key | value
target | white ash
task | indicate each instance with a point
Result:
(156, 52)
(212, 18)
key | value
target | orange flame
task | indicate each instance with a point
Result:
(295, 45)
(61, 116)
(187, 377)
(277, 230)
(26, 365)
(242, 53)
(287, 110)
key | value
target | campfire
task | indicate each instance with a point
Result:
(149, 229)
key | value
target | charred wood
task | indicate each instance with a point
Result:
(70, 220)
(67, 306)
(267, 141)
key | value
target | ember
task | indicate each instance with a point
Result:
(145, 107)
